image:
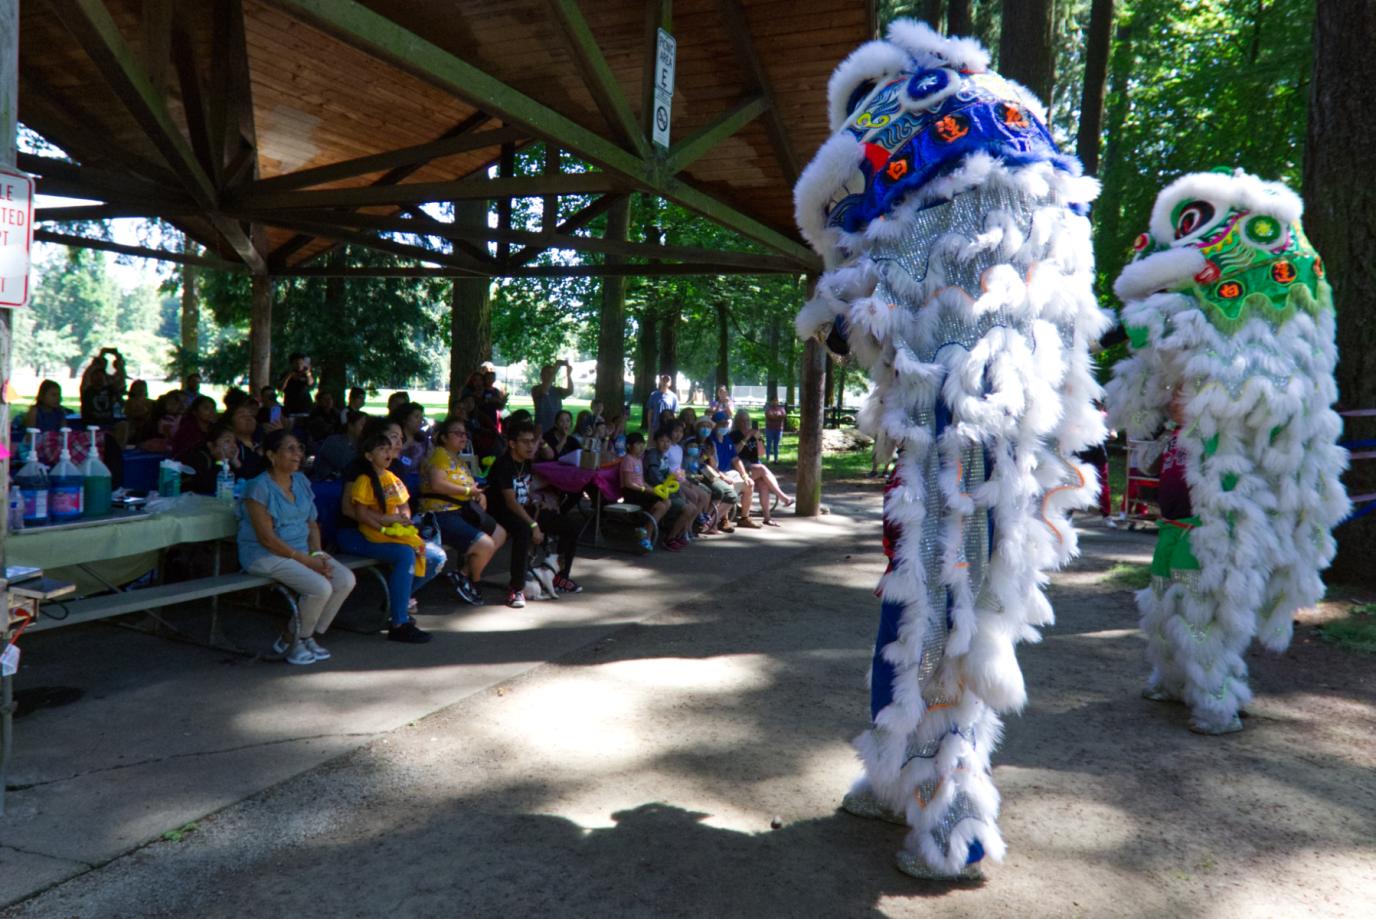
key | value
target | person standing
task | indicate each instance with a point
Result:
(296, 386)
(661, 400)
(774, 415)
(548, 398)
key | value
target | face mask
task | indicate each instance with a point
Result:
(723, 428)
(692, 451)
(704, 433)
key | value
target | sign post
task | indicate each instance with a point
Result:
(16, 236)
(666, 49)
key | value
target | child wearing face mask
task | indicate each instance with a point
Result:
(700, 465)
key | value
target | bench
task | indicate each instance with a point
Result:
(57, 613)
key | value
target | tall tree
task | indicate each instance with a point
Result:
(1027, 50)
(189, 355)
(958, 21)
(646, 357)
(931, 11)
(1100, 34)
(722, 376)
(611, 338)
(1340, 218)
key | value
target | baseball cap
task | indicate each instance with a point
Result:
(721, 416)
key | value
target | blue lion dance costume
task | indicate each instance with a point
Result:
(959, 273)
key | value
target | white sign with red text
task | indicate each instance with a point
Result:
(16, 237)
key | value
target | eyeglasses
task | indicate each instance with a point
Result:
(292, 448)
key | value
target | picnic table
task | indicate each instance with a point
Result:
(574, 480)
(111, 551)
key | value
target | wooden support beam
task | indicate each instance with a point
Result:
(406, 156)
(392, 247)
(549, 206)
(194, 102)
(424, 225)
(96, 31)
(531, 271)
(392, 177)
(659, 14)
(581, 183)
(105, 245)
(576, 221)
(102, 212)
(361, 27)
(156, 23)
(693, 147)
(506, 169)
(260, 334)
(230, 109)
(738, 30)
(808, 480)
(77, 131)
(598, 77)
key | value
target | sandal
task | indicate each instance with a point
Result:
(786, 501)
(747, 523)
(771, 522)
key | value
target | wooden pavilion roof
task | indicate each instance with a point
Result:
(272, 130)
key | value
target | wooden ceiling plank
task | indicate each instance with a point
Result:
(193, 100)
(738, 28)
(597, 76)
(695, 146)
(343, 235)
(361, 27)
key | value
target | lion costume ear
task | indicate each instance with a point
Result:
(871, 65)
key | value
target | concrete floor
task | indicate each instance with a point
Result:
(626, 752)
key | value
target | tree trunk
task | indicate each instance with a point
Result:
(931, 11)
(670, 317)
(1027, 45)
(809, 474)
(828, 382)
(1340, 218)
(840, 376)
(611, 337)
(260, 335)
(470, 313)
(1108, 213)
(958, 17)
(333, 374)
(646, 359)
(1096, 75)
(723, 374)
(772, 380)
(189, 357)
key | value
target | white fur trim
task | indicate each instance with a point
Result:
(876, 61)
(1239, 191)
(930, 48)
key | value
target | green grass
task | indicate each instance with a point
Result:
(1355, 632)
(1128, 576)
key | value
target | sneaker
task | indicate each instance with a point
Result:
(516, 599)
(321, 654)
(408, 633)
(280, 647)
(467, 590)
(566, 585)
(299, 654)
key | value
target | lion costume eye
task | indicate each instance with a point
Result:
(1193, 217)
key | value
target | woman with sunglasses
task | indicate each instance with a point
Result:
(450, 492)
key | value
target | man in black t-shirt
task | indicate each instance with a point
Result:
(509, 500)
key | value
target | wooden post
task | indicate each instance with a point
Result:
(470, 316)
(9, 132)
(809, 476)
(611, 337)
(260, 335)
(190, 357)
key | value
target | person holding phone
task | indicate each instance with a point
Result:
(548, 398)
(296, 386)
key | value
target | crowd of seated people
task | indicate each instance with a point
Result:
(410, 489)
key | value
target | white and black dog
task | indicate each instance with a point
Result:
(540, 579)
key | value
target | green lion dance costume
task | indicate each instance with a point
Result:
(960, 275)
(1229, 317)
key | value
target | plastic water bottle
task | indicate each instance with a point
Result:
(33, 485)
(224, 483)
(16, 509)
(97, 481)
(65, 485)
(642, 536)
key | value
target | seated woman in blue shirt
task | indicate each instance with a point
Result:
(279, 539)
